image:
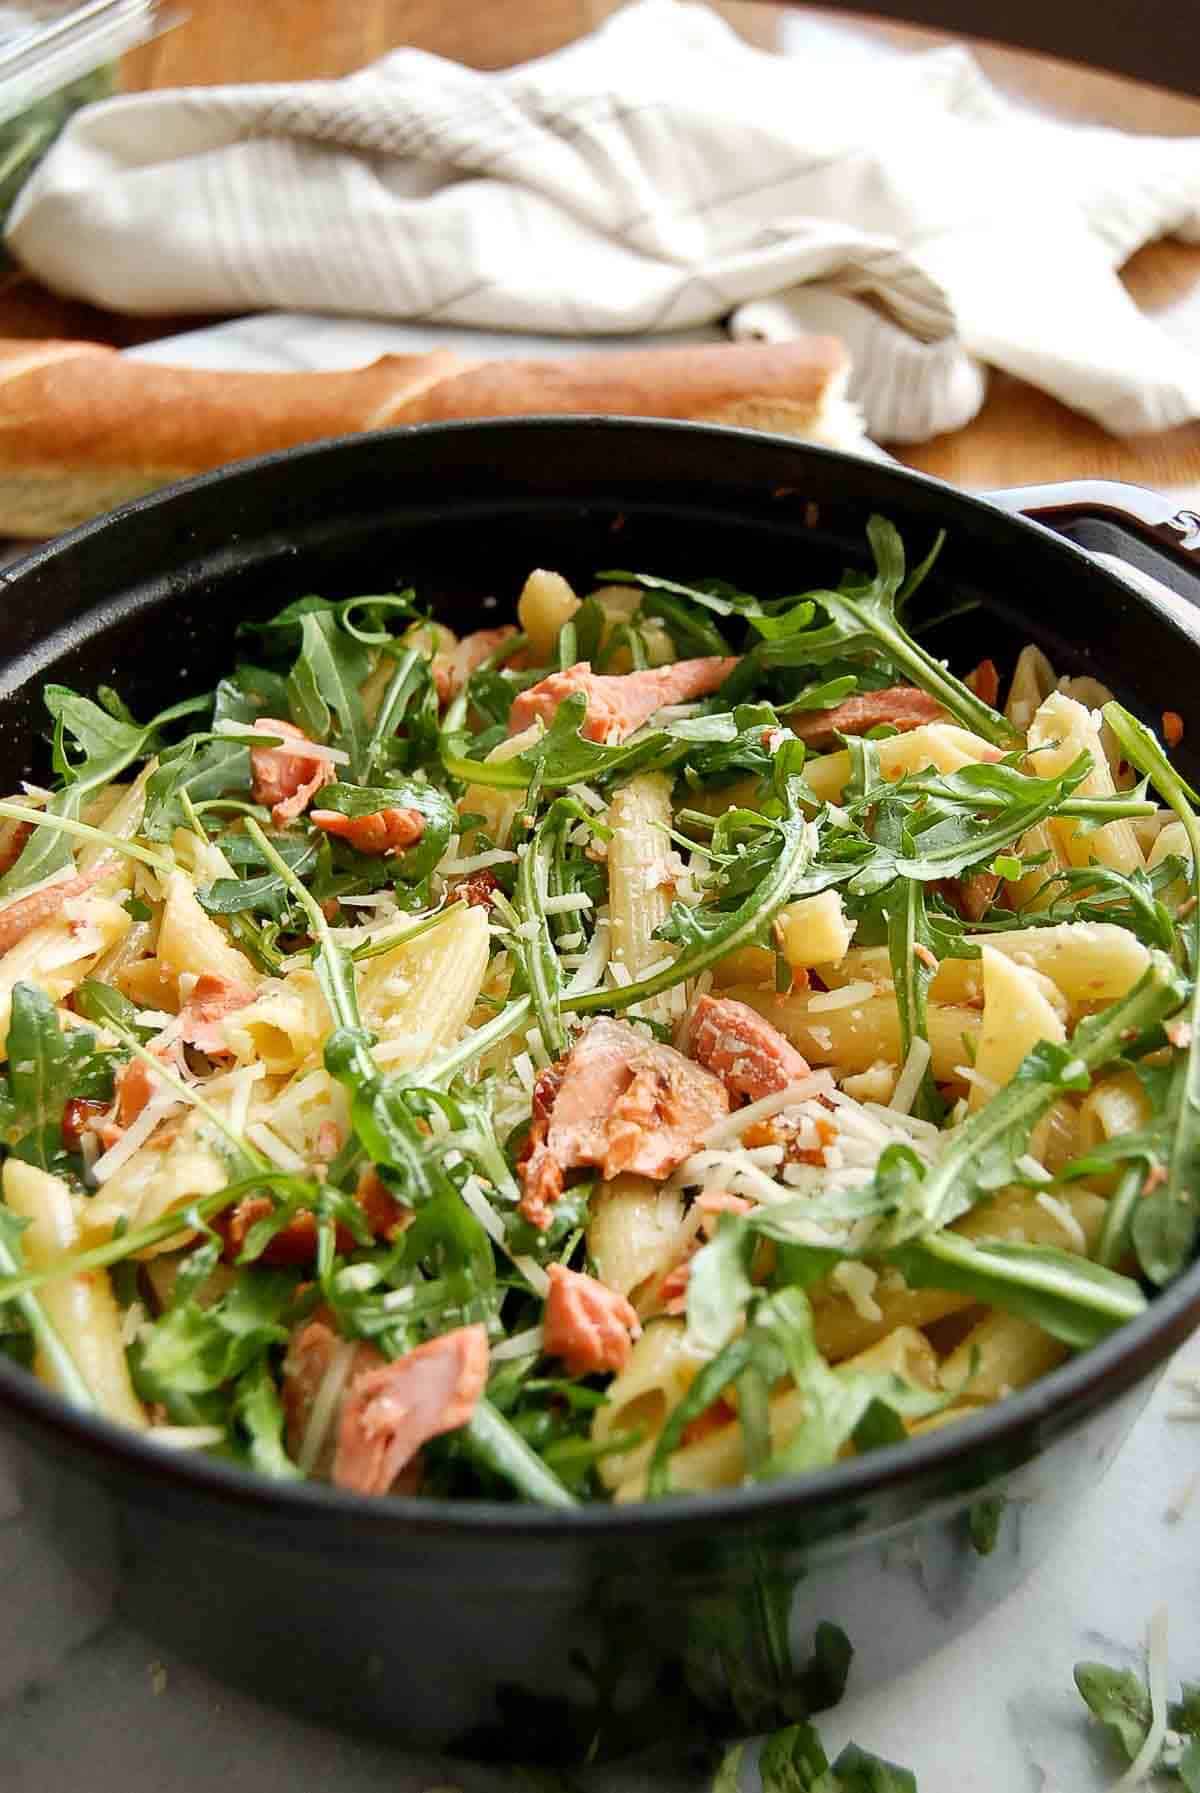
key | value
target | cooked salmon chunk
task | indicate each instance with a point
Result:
(452, 670)
(900, 706)
(617, 704)
(389, 1413)
(383, 832)
(751, 1057)
(619, 1102)
(591, 1327)
(29, 912)
(286, 778)
(212, 998)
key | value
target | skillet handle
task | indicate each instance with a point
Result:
(1138, 535)
(1148, 514)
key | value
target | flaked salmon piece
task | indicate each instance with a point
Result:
(389, 1413)
(296, 1243)
(21, 917)
(311, 1353)
(383, 832)
(591, 1327)
(751, 1057)
(619, 1102)
(286, 779)
(901, 706)
(135, 1086)
(618, 703)
(212, 998)
(452, 670)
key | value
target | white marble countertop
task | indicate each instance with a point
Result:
(80, 1692)
(86, 1701)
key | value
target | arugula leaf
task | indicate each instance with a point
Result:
(68, 1378)
(1165, 1223)
(258, 1415)
(708, 934)
(441, 818)
(103, 745)
(195, 1350)
(980, 1154)
(1070, 1297)
(864, 618)
(793, 1760)
(1120, 1700)
(489, 1440)
(47, 1067)
(561, 757)
(266, 894)
(202, 767)
(324, 682)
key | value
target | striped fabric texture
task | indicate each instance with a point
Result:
(657, 175)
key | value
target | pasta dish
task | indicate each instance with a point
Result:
(674, 1042)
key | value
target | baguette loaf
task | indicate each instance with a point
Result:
(83, 429)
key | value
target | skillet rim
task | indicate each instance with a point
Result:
(1104, 1372)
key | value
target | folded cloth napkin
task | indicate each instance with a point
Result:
(657, 174)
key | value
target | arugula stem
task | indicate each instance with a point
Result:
(19, 1282)
(480, 1040)
(489, 1440)
(1114, 1234)
(1021, 1103)
(744, 927)
(1166, 1223)
(40, 818)
(248, 1154)
(392, 706)
(68, 1378)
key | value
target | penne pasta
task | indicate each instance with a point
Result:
(1060, 731)
(81, 1308)
(455, 1130)
(859, 1034)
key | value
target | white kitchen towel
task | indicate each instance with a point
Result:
(655, 175)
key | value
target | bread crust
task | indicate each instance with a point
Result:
(82, 428)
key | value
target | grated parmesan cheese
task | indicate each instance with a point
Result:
(1065, 1219)
(857, 1283)
(478, 862)
(910, 1078)
(842, 998)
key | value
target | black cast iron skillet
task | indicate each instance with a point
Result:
(507, 1630)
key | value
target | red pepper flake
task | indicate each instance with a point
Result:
(1156, 1176)
(985, 682)
(75, 1116)
(1179, 1033)
(922, 952)
(1172, 727)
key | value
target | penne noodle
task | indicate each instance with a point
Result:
(1002, 1353)
(860, 1034)
(1060, 731)
(1090, 962)
(546, 603)
(81, 1308)
(419, 996)
(634, 1232)
(1017, 1014)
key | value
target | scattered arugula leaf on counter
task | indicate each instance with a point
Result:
(793, 1760)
